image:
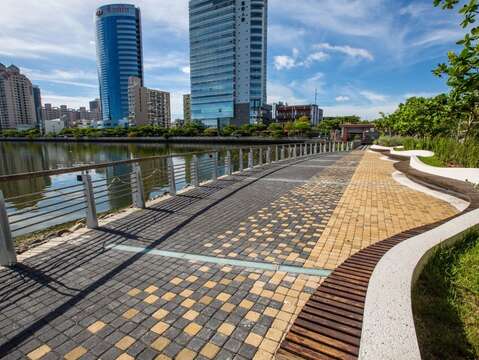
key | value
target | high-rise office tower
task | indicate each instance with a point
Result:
(187, 108)
(228, 49)
(37, 100)
(17, 106)
(119, 56)
(148, 106)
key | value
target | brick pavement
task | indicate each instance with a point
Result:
(83, 300)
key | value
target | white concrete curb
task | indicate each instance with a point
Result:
(411, 153)
(388, 326)
(462, 174)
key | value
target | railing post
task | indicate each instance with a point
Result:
(260, 156)
(295, 153)
(250, 159)
(241, 160)
(277, 154)
(91, 218)
(315, 148)
(268, 155)
(171, 176)
(228, 169)
(282, 152)
(137, 190)
(215, 166)
(8, 256)
(195, 170)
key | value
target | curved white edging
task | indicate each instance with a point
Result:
(388, 326)
(411, 153)
(379, 147)
(463, 174)
(402, 179)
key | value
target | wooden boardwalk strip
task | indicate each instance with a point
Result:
(329, 326)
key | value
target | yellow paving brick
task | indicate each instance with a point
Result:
(39, 352)
(151, 289)
(160, 314)
(192, 278)
(190, 315)
(125, 357)
(228, 307)
(160, 328)
(176, 281)
(254, 339)
(185, 354)
(269, 346)
(76, 353)
(274, 334)
(160, 343)
(134, 292)
(210, 350)
(96, 327)
(226, 329)
(206, 300)
(130, 313)
(162, 357)
(168, 296)
(186, 293)
(223, 297)
(247, 304)
(210, 284)
(188, 303)
(252, 316)
(125, 343)
(192, 329)
(151, 299)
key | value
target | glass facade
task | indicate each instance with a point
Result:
(228, 64)
(119, 56)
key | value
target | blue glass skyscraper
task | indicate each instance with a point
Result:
(119, 56)
(228, 49)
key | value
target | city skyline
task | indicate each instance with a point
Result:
(364, 57)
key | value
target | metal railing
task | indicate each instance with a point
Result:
(85, 199)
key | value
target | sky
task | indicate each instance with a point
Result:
(362, 56)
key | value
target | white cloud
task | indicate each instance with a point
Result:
(65, 77)
(366, 112)
(186, 69)
(281, 35)
(284, 62)
(372, 96)
(288, 62)
(171, 60)
(415, 10)
(342, 98)
(438, 37)
(279, 92)
(347, 50)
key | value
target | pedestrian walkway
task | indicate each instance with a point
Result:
(218, 272)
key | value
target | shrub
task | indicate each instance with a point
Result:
(210, 132)
(391, 141)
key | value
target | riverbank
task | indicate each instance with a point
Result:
(163, 140)
(446, 302)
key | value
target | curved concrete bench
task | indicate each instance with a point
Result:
(361, 308)
(412, 153)
(462, 174)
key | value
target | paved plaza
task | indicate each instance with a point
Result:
(217, 272)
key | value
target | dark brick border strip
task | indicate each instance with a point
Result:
(330, 324)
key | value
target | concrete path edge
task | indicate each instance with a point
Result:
(388, 328)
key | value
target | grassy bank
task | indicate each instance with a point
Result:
(448, 151)
(446, 302)
(432, 161)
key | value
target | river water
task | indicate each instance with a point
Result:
(37, 203)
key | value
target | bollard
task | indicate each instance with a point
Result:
(91, 218)
(137, 189)
(268, 155)
(195, 169)
(228, 169)
(215, 167)
(171, 176)
(240, 160)
(261, 156)
(250, 159)
(8, 256)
